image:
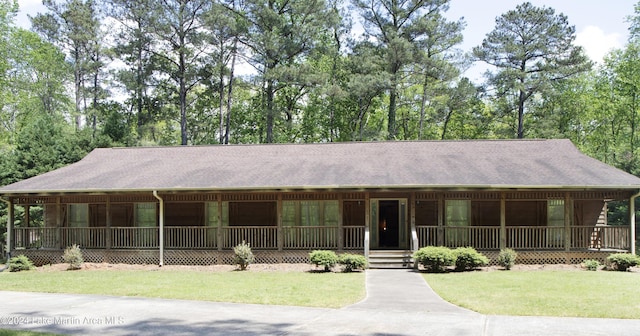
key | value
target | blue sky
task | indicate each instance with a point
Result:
(600, 24)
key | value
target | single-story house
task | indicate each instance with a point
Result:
(192, 205)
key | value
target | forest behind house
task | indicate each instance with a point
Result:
(104, 73)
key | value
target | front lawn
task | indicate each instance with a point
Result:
(276, 288)
(543, 293)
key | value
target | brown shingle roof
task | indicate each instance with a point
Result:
(413, 164)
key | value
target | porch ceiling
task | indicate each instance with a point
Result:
(485, 164)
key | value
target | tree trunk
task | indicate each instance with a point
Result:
(269, 109)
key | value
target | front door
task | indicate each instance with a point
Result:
(388, 224)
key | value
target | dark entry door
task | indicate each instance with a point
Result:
(388, 223)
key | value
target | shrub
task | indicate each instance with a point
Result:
(20, 263)
(352, 262)
(622, 261)
(324, 258)
(467, 258)
(243, 255)
(435, 258)
(591, 264)
(507, 258)
(73, 256)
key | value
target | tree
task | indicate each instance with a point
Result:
(531, 48)
(75, 27)
(134, 47)
(181, 45)
(403, 29)
(280, 35)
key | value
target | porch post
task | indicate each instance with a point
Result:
(107, 235)
(9, 228)
(59, 221)
(415, 243)
(367, 223)
(503, 221)
(219, 219)
(340, 222)
(568, 218)
(160, 228)
(632, 222)
(279, 223)
(440, 230)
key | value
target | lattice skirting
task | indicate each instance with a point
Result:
(171, 257)
(206, 257)
(551, 257)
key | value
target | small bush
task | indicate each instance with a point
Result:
(352, 262)
(591, 264)
(243, 256)
(507, 258)
(73, 256)
(435, 258)
(324, 258)
(20, 263)
(467, 258)
(622, 261)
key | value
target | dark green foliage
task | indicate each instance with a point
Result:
(73, 256)
(243, 255)
(324, 258)
(467, 258)
(352, 262)
(622, 261)
(20, 263)
(591, 264)
(435, 258)
(507, 258)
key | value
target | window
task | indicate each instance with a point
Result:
(78, 215)
(145, 214)
(457, 219)
(310, 213)
(457, 212)
(555, 223)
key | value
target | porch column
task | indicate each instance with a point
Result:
(279, 223)
(568, 219)
(59, 221)
(632, 223)
(340, 223)
(503, 221)
(219, 219)
(367, 223)
(415, 243)
(160, 228)
(440, 230)
(9, 228)
(107, 236)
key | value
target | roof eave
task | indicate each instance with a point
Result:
(14, 193)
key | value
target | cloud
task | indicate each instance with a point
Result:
(596, 43)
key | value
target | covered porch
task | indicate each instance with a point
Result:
(203, 228)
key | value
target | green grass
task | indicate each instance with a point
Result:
(542, 293)
(277, 288)
(7, 332)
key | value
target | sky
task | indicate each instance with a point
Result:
(600, 24)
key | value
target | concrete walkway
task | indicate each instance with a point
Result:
(398, 303)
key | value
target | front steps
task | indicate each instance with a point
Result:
(390, 259)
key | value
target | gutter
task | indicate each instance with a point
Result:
(632, 221)
(161, 228)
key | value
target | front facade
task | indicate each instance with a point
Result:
(192, 205)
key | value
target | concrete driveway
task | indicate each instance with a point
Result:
(409, 309)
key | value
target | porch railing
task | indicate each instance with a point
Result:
(526, 237)
(319, 237)
(260, 237)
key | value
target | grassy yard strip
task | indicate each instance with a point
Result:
(542, 293)
(277, 288)
(8, 332)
